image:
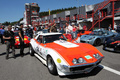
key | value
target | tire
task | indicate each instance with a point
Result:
(51, 66)
(97, 42)
(116, 49)
(31, 51)
(103, 47)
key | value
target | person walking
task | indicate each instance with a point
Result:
(21, 38)
(8, 36)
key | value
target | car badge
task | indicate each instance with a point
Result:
(59, 60)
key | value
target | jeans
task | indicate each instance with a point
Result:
(21, 47)
(8, 45)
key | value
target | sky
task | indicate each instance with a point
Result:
(13, 10)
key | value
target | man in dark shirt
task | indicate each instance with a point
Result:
(21, 38)
(8, 36)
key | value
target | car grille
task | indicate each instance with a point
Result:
(83, 67)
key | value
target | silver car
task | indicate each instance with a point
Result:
(97, 37)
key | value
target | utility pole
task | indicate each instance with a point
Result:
(78, 6)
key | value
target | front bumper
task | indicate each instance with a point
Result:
(79, 69)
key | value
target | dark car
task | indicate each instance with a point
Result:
(17, 42)
(112, 43)
(97, 37)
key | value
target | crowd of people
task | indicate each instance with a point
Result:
(116, 27)
(70, 30)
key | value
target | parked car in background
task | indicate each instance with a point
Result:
(17, 42)
(97, 37)
(112, 43)
(63, 57)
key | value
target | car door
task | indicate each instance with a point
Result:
(40, 47)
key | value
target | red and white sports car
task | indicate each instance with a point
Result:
(17, 42)
(64, 57)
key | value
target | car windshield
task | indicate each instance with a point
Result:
(16, 34)
(52, 38)
(96, 33)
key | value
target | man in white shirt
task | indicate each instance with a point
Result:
(69, 28)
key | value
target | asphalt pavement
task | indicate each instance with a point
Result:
(30, 68)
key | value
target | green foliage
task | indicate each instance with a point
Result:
(46, 13)
(11, 23)
(6, 23)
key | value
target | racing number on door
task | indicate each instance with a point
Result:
(38, 50)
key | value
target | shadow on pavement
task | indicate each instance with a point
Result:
(112, 51)
(18, 55)
(92, 73)
(4, 53)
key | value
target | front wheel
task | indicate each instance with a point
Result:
(97, 42)
(51, 66)
(31, 51)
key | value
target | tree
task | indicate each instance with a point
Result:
(6, 23)
(42, 14)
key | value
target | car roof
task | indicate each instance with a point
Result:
(47, 34)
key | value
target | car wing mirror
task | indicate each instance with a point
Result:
(44, 45)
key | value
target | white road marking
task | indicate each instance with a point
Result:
(110, 69)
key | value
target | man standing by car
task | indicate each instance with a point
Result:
(21, 38)
(8, 36)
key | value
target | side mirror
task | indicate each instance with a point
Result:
(44, 45)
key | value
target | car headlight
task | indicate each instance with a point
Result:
(92, 38)
(97, 56)
(74, 61)
(80, 60)
(77, 61)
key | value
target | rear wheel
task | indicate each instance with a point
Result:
(51, 66)
(31, 51)
(97, 42)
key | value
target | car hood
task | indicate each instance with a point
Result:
(69, 51)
